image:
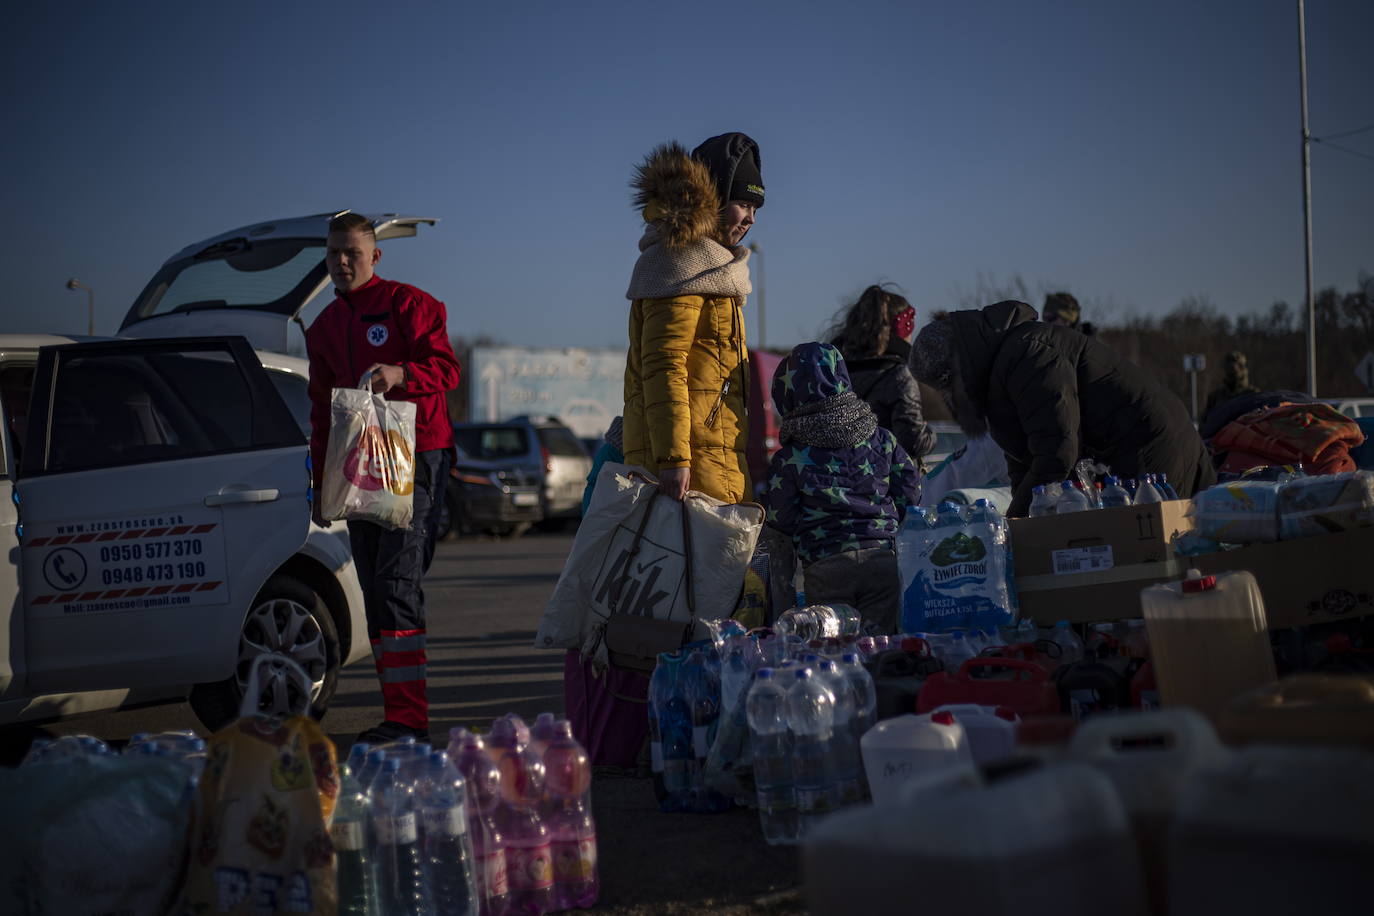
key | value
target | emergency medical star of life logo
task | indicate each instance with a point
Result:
(65, 569)
(377, 335)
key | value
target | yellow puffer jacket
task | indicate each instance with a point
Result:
(682, 351)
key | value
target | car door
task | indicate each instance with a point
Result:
(161, 482)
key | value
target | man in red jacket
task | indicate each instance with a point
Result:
(398, 336)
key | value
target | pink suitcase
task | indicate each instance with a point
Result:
(609, 714)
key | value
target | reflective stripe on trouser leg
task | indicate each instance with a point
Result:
(401, 668)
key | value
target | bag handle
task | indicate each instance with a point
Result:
(274, 685)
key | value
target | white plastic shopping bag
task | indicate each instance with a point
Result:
(369, 467)
(607, 572)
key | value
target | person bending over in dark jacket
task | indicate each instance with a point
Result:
(1049, 396)
(874, 336)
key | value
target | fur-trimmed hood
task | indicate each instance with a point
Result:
(677, 195)
(680, 253)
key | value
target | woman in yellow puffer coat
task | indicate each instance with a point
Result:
(687, 373)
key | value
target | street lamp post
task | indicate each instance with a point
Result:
(1307, 202)
(753, 247)
(74, 283)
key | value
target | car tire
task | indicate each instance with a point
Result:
(512, 531)
(289, 618)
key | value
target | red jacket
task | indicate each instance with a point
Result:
(383, 322)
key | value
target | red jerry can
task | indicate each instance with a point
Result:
(1028, 691)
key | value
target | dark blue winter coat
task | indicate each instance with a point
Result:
(833, 497)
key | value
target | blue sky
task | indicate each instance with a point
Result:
(1133, 153)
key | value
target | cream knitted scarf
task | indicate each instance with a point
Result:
(703, 268)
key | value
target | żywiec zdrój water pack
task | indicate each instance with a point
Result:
(957, 573)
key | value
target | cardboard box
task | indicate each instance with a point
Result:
(1087, 566)
(1308, 580)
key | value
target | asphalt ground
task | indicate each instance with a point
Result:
(484, 599)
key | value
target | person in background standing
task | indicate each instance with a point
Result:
(1062, 309)
(612, 449)
(1235, 384)
(398, 336)
(874, 335)
(686, 372)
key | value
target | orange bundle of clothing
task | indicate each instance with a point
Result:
(1318, 436)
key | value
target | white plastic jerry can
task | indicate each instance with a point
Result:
(991, 730)
(899, 750)
(1150, 757)
(1051, 841)
(1278, 830)
(1209, 639)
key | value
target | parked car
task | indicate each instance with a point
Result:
(541, 446)
(489, 496)
(1353, 407)
(155, 512)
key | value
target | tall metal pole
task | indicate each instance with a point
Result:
(1307, 203)
(763, 325)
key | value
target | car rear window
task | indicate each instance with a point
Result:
(561, 441)
(493, 442)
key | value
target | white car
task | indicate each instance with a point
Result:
(154, 512)
(154, 500)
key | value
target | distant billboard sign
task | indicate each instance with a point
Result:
(583, 388)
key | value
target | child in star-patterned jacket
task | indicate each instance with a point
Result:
(838, 486)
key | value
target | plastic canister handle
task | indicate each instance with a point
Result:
(1035, 672)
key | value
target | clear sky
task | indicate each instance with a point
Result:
(1133, 153)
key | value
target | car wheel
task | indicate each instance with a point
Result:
(287, 618)
(513, 530)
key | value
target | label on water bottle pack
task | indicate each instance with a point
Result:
(700, 746)
(347, 836)
(574, 861)
(530, 868)
(495, 877)
(656, 755)
(1082, 560)
(397, 831)
(450, 821)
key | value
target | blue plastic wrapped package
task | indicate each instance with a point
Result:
(1326, 504)
(956, 575)
(1239, 512)
(94, 835)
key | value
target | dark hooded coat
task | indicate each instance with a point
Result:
(888, 386)
(1051, 396)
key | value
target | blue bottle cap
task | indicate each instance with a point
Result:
(1067, 485)
(803, 673)
(849, 658)
(763, 674)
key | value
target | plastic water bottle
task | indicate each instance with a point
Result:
(529, 856)
(844, 746)
(572, 831)
(1070, 646)
(1071, 499)
(483, 780)
(1163, 486)
(865, 694)
(1145, 492)
(1043, 500)
(670, 735)
(371, 769)
(353, 845)
(949, 515)
(456, 736)
(736, 670)
(810, 716)
(957, 650)
(766, 707)
(444, 839)
(1114, 494)
(699, 684)
(401, 883)
(542, 731)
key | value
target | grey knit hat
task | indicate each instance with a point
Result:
(932, 354)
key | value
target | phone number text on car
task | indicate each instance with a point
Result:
(153, 550)
(155, 572)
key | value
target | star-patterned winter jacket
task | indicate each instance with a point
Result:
(840, 482)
